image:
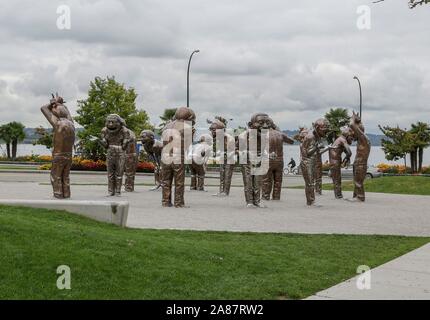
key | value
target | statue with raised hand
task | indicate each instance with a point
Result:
(63, 141)
(361, 157)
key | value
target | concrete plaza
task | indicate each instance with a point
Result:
(407, 277)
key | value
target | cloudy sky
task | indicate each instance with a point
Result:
(291, 59)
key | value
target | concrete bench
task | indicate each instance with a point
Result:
(115, 212)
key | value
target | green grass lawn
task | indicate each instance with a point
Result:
(108, 262)
(395, 184)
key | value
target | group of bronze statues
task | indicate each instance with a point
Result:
(258, 150)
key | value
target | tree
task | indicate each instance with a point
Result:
(12, 133)
(167, 115)
(421, 130)
(45, 137)
(414, 3)
(107, 96)
(5, 135)
(395, 146)
(337, 118)
(411, 3)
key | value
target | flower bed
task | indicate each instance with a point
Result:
(399, 169)
(80, 164)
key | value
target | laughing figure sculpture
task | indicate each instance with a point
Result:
(339, 146)
(224, 144)
(115, 137)
(252, 149)
(199, 154)
(309, 148)
(63, 140)
(177, 137)
(361, 157)
(153, 149)
(273, 178)
(130, 162)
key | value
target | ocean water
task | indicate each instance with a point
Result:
(290, 151)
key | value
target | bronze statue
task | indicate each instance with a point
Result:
(63, 140)
(130, 162)
(318, 173)
(175, 135)
(115, 137)
(273, 178)
(309, 148)
(339, 146)
(223, 143)
(153, 148)
(361, 157)
(250, 167)
(199, 154)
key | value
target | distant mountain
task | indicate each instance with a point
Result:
(30, 136)
(375, 139)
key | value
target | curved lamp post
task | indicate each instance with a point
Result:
(188, 77)
(361, 97)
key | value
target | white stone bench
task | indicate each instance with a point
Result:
(115, 212)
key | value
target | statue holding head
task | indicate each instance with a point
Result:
(310, 149)
(361, 157)
(153, 149)
(115, 137)
(63, 141)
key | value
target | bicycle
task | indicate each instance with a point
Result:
(288, 170)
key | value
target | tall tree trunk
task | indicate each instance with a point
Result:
(412, 155)
(8, 150)
(420, 159)
(416, 160)
(14, 147)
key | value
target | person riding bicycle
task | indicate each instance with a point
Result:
(292, 164)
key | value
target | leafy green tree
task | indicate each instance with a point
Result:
(45, 137)
(337, 118)
(107, 96)
(395, 146)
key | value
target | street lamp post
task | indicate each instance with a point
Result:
(188, 77)
(361, 97)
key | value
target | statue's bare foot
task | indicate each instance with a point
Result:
(181, 206)
(250, 205)
(261, 205)
(155, 188)
(357, 200)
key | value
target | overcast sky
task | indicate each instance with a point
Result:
(291, 59)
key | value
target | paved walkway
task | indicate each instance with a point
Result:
(381, 214)
(407, 277)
